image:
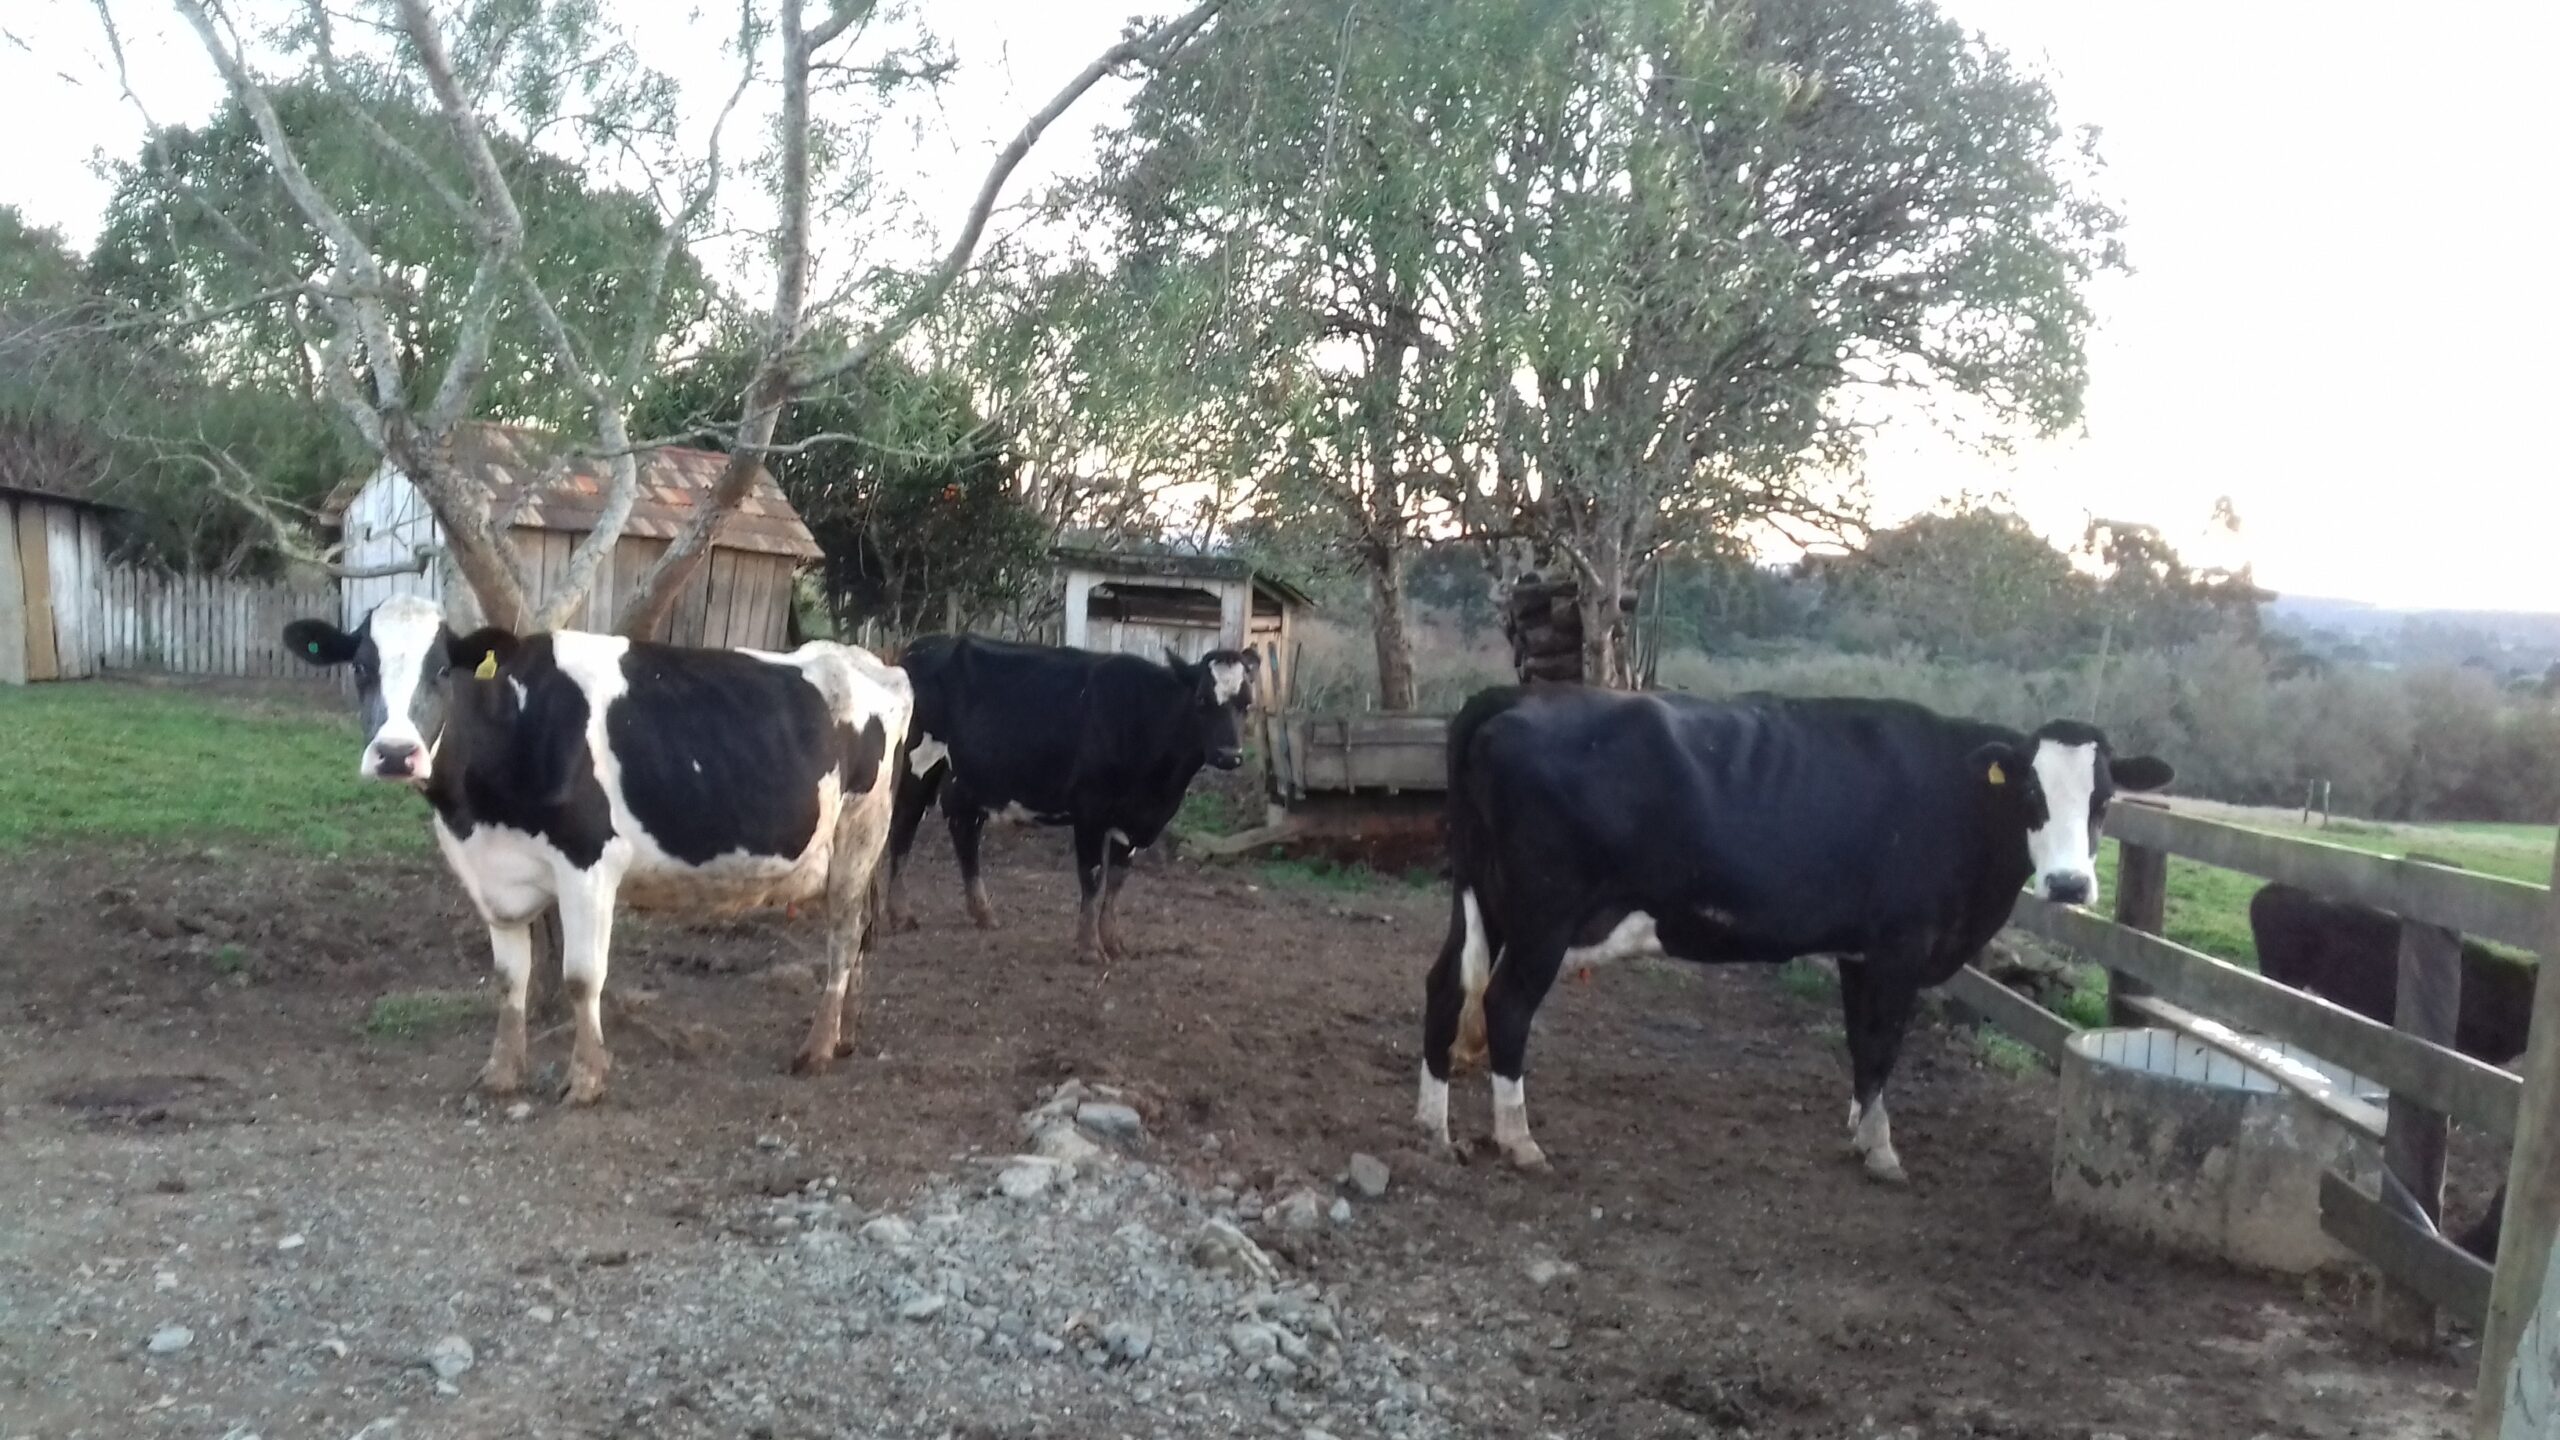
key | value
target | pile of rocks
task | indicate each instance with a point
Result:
(1076, 1279)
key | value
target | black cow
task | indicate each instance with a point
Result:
(583, 770)
(1106, 744)
(1584, 824)
(2349, 955)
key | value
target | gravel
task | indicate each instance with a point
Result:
(1104, 1298)
(1369, 1175)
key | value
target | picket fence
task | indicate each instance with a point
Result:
(150, 619)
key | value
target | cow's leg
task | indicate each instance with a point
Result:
(1876, 1009)
(915, 795)
(1444, 996)
(969, 821)
(1117, 854)
(1511, 999)
(1091, 846)
(853, 872)
(511, 946)
(586, 935)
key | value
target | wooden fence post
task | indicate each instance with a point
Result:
(2518, 1304)
(2142, 903)
(2413, 1138)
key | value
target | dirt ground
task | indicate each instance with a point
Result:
(197, 1131)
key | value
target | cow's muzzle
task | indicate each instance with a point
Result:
(1226, 759)
(2064, 887)
(395, 760)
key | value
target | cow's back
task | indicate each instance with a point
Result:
(1043, 725)
(1805, 822)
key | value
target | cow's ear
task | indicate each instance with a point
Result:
(2139, 772)
(317, 642)
(481, 650)
(1997, 764)
(1253, 662)
(1173, 659)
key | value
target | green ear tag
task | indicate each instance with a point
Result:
(313, 647)
(488, 667)
(1998, 775)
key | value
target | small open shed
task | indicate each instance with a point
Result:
(742, 597)
(52, 563)
(1145, 604)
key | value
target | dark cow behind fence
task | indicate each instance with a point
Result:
(586, 770)
(1585, 824)
(2349, 954)
(1105, 744)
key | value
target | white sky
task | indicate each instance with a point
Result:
(2339, 216)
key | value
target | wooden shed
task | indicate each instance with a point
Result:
(741, 598)
(52, 567)
(1145, 604)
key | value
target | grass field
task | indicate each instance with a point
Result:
(127, 763)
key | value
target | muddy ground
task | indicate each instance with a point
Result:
(197, 1132)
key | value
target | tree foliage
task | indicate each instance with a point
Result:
(94, 406)
(200, 224)
(912, 495)
(1615, 282)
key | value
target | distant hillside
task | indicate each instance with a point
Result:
(2508, 641)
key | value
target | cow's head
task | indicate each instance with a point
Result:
(1221, 692)
(405, 661)
(2057, 787)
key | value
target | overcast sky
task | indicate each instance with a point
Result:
(2338, 215)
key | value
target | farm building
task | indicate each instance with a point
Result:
(52, 560)
(1189, 604)
(742, 597)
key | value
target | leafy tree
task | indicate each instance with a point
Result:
(1714, 227)
(126, 415)
(200, 223)
(913, 497)
(1977, 584)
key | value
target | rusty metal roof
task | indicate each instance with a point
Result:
(1162, 565)
(673, 481)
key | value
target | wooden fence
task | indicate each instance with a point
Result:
(150, 619)
(2154, 981)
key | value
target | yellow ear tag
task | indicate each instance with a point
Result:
(488, 667)
(1998, 775)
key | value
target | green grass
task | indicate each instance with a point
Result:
(2001, 1053)
(1807, 981)
(419, 1014)
(122, 763)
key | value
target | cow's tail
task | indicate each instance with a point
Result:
(1474, 872)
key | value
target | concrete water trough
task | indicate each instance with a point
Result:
(2169, 1140)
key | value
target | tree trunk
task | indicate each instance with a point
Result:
(1604, 650)
(1388, 627)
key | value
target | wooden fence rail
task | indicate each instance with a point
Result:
(2155, 981)
(153, 619)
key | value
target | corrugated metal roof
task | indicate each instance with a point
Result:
(673, 481)
(1177, 567)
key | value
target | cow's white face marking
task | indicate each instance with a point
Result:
(1226, 680)
(2060, 849)
(928, 753)
(404, 629)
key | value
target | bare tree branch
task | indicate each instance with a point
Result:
(1152, 46)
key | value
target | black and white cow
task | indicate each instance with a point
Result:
(2349, 955)
(1585, 825)
(586, 770)
(1106, 744)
